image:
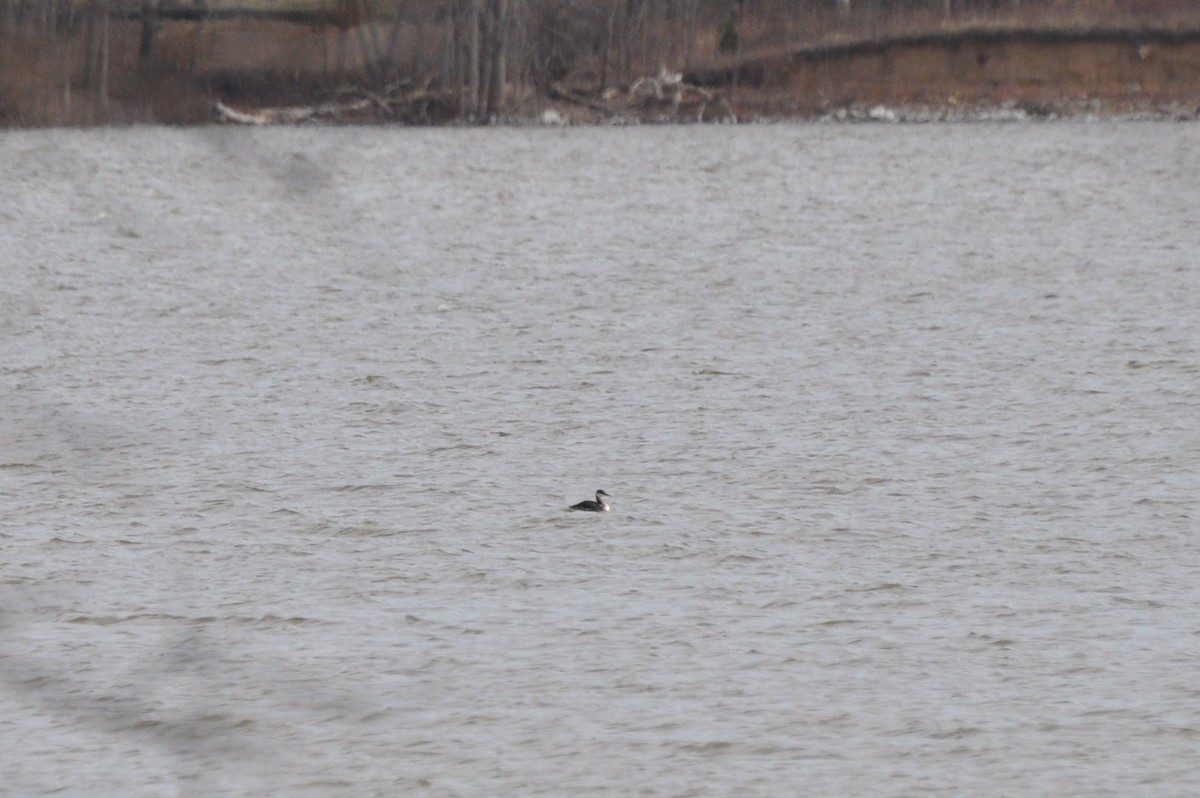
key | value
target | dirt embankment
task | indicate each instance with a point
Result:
(969, 72)
(952, 74)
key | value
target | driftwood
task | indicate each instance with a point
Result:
(558, 92)
(684, 99)
(395, 102)
(287, 116)
(662, 98)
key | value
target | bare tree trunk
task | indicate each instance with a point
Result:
(633, 24)
(149, 18)
(91, 59)
(324, 51)
(497, 52)
(474, 22)
(737, 68)
(610, 27)
(67, 83)
(197, 43)
(393, 41)
(693, 31)
(103, 78)
(624, 45)
(368, 44)
(96, 66)
(485, 57)
(26, 23)
(339, 64)
(448, 77)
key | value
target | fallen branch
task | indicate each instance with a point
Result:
(264, 116)
(398, 101)
(557, 92)
(666, 96)
(295, 114)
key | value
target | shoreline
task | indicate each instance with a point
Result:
(968, 73)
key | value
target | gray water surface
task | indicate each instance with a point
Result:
(900, 424)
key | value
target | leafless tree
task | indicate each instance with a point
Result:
(96, 68)
(149, 19)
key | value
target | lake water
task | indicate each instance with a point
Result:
(901, 426)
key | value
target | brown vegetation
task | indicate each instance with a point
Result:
(67, 62)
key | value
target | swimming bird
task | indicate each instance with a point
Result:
(598, 506)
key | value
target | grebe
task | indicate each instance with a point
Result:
(598, 506)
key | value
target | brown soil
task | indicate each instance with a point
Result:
(947, 74)
(1040, 71)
